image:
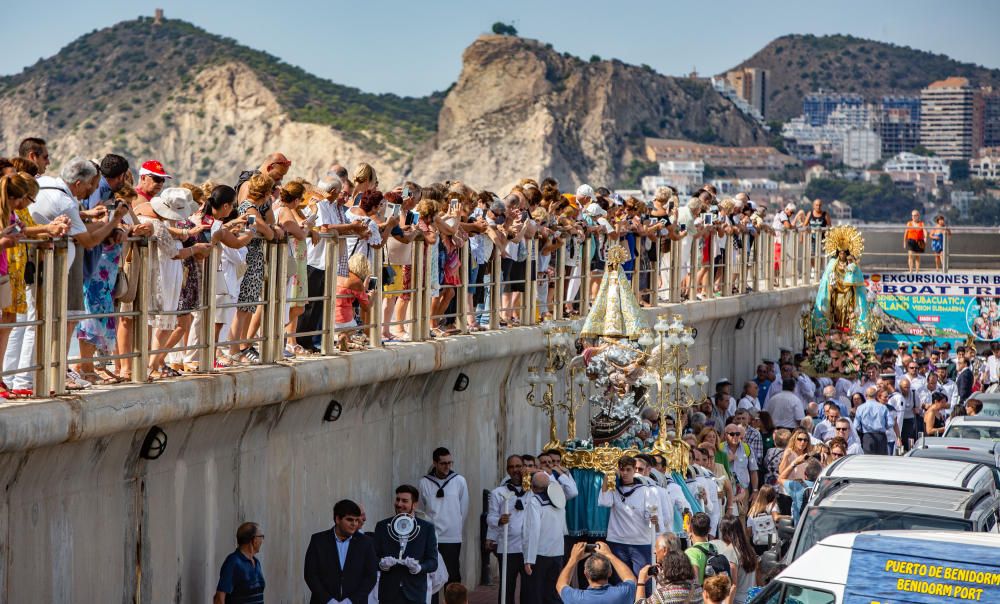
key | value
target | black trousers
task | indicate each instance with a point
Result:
(908, 433)
(540, 585)
(451, 553)
(311, 318)
(515, 568)
(875, 443)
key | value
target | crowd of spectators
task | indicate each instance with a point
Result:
(108, 212)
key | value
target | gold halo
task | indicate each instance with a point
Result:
(844, 238)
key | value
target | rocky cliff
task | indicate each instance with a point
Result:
(208, 107)
(520, 108)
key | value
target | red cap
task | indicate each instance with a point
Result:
(153, 168)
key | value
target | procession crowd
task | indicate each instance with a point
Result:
(692, 536)
(536, 240)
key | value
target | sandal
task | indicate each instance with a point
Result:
(95, 378)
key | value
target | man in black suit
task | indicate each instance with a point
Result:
(963, 379)
(340, 563)
(404, 577)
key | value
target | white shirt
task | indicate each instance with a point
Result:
(630, 505)
(49, 204)
(494, 530)
(542, 534)
(804, 388)
(749, 402)
(325, 216)
(786, 409)
(993, 369)
(447, 513)
(741, 462)
(905, 403)
(950, 388)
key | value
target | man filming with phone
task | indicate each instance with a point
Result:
(597, 569)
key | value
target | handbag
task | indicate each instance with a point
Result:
(921, 244)
(127, 283)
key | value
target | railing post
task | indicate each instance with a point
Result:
(636, 265)
(945, 252)
(426, 310)
(796, 236)
(378, 299)
(417, 296)
(206, 362)
(771, 260)
(462, 305)
(530, 298)
(496, 287)
(60, 341)
(674, 293)
(695, 261)
(654, 267)
(560, 289)
(588, 250)
(727, 265)
(271, 297)
(743, 257)
(328, 341)
(140, 326)
(45, 310)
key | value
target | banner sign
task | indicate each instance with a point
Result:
(941, 572)
(922, 307)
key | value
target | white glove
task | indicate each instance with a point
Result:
(413, 565)
(388, 562)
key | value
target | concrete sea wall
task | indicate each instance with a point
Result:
(84, 519)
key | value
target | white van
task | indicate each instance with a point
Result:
(915, 567)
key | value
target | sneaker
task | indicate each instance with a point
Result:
(251, 354)
(288, 354)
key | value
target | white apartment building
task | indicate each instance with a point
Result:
(911, 163)
(862, 148)
(948, 116)
(986, 166)
(685, 176)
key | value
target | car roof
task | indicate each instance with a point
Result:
(974, 420)
(910, 470)
(987, 397)
(903, 499)
(986, 452)
(954, 537)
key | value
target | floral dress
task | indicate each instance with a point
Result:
(252, 285)
(17, 260)
(193, 271)
(97, 298)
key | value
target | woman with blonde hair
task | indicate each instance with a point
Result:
(798, 444)
(350, 289)
(294, 222)
(16, 192)
(365, 180)
(255, 207)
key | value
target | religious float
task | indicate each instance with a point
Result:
(613, 367)
(840, 330)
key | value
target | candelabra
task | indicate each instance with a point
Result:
(677, 386)
(560, 344)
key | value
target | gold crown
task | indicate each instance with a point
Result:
(844, 238)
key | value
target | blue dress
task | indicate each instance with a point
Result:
(97, 299)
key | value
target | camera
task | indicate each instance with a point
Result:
(590, 548)
(653, 571)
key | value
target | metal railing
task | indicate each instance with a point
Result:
(664, 272)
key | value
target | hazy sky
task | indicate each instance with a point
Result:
(414, 47)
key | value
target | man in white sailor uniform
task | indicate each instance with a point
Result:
(507, 508)
(544, 518)
(632, 502)
(446, 501)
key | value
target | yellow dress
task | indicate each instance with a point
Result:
(841, 298)
(17, 259)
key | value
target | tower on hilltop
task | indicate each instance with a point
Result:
(158, 17)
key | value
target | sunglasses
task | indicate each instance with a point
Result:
(841, 429)
(832, 454)
(802, 440)
(732, 433)
(158, 179)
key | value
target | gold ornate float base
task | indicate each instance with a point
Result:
(604, 459)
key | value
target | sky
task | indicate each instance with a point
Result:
(413, 47)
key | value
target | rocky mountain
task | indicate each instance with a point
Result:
(800, 64)
(203, 104)
(521, 108)
(208, 107)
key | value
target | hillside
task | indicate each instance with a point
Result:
(800, 64)
(133, 80)
(208, 107)
(521, 108)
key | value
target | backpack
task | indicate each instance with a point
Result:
(715, 563)
(762, 527)
(244, 176)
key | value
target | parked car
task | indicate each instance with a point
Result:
(974, 427)
(921, 567)
(986, 452)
